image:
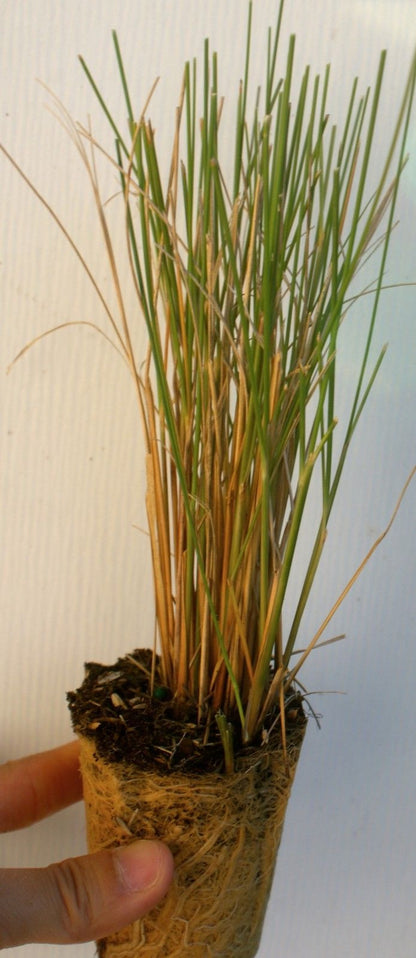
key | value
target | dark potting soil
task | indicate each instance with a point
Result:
(115, 708)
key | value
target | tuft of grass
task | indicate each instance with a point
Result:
(244, 281)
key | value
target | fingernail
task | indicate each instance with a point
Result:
(138, 865)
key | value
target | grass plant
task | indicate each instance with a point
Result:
(244, 280)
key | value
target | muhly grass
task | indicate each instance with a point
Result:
(244, 280)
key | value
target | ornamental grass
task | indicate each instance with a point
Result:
(245, 274)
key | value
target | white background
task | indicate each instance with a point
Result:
(75, 581)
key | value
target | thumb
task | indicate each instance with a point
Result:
(83, 898)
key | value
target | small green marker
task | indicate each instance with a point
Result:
(161, 693)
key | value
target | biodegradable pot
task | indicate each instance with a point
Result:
(223, 830)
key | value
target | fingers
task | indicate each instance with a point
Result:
(83, 898)
(33, 787)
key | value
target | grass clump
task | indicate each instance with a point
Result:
(244, 280)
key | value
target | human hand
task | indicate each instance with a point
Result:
(79, 899)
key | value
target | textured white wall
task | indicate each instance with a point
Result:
(75, 580)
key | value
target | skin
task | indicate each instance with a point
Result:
(82, 898)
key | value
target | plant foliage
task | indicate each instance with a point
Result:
(244, 280)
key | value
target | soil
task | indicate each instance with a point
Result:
(115, 708)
